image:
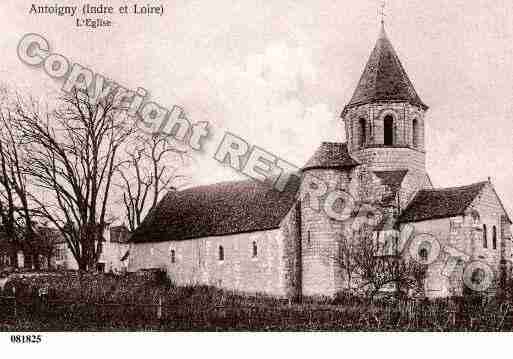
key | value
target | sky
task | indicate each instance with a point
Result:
(278, 73)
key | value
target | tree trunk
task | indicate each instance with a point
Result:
(82, 264)
(14, 257)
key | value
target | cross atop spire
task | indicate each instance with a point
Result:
(382, 13)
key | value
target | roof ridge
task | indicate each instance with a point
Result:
(399, 170)
(218, 183)
(454, 187)
(334, 143)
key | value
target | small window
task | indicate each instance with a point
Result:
(255, 250)
(415, 130)
(221, 253)
(363, 132)
(173, 256)
(476, 218)
(485, 237)
(388, 130)
(455, 225)
(423, 254)
(494, 237)
(478, 276)
(100, 267)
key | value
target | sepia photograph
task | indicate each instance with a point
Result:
(253, 166)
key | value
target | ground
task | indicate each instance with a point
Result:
(118, 303)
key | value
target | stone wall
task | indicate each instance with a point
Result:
(461, 242)
(403, 113)
(490, 211)
(438, 281)
(197, 261)
(320, 231)
(292, 253)
(404, 154)
(392, 158)
(112, 253)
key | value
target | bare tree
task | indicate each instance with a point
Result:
(344, 257)
(370, 267)
(15, 211)
(378, 268)
(72, 154)
(150, 171)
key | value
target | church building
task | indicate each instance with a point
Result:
(251, 238)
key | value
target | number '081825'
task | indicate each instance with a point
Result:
(26, 339)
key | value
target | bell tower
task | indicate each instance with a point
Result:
(384, 120)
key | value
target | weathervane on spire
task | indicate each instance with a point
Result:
(382, 12)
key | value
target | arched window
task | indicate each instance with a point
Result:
(415, 134)
(388, 130)
(475, 217)
(478, 275)
(363, 132)
(485, 237)
(221, 253)
(494, 237)
(255, 250)
(172, 255)
(424, 254)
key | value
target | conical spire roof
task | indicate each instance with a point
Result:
(384, 78)
(331, 155)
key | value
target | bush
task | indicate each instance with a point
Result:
(84, 301)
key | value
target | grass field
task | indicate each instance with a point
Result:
(105, 302)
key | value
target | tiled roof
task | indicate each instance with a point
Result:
(384, 78)
(331, 155)
(217, 209)
(440, 203)
(393, 180)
